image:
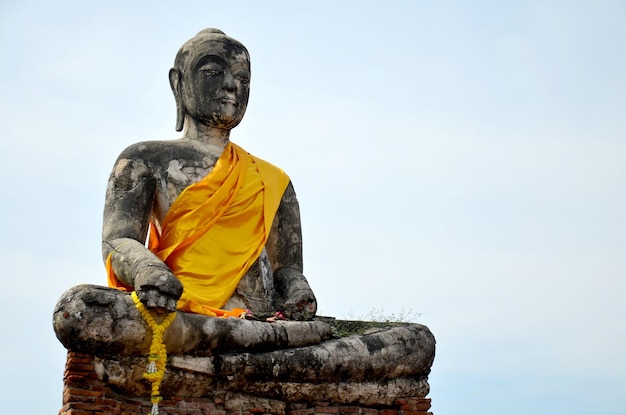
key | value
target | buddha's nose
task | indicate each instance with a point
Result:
(229, 82)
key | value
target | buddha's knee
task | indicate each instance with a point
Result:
(90, 317)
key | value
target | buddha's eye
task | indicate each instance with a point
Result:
(243, 77)
(211, 70)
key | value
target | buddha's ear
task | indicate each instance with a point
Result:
(176, 84)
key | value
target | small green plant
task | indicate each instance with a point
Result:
(378, 315)
(376, 318)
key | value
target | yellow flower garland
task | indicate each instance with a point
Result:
(158, 353)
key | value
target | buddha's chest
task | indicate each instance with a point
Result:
(176, 175)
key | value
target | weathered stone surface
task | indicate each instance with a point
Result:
(100, 320)
(201, 377)
(354, 369)
(355, 358)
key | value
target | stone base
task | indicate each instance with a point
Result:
(87, 392)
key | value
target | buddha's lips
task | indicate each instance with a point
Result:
(229, 101)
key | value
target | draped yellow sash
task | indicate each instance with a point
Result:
(217, 228)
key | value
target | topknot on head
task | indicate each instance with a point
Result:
(202, 36)
(210, 31)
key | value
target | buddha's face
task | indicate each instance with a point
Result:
(216, 83)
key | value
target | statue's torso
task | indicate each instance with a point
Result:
(177, 164)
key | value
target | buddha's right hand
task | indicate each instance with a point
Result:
(158, 288)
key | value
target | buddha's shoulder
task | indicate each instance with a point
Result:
(159, 151)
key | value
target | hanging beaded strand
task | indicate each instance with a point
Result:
(157, 359)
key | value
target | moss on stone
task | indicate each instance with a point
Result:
(345, 328)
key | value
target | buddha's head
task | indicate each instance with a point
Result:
(211, 80)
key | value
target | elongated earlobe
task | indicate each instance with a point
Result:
(180, 115)
(175, 84)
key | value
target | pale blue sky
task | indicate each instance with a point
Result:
(463, 160)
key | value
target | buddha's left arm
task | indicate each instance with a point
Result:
(284, 248)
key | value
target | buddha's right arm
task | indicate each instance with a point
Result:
(131, 260)
(128, 205)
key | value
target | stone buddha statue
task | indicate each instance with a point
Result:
(201, 226)
(255, 268)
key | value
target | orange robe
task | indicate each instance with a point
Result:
(216, 229)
